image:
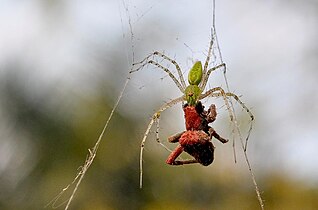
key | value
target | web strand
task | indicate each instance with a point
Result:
(244, 147)
(93, 152)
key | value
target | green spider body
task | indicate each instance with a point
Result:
(196, 140)
(193, 91)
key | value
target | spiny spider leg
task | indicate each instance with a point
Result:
(206, 72)
(206, 64)
(207, 75)
(248, 112)
(154, 118)
(183, 85)
(222, 93)
(164, 69)
(212, 93)
(157, 120)
(175, 64)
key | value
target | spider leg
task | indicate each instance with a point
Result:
(183, 162)
(175, 154)
(218, 91)
(213, 93)
(154, 118)
(244, 146)
(242, 104)
(175, 138)
(222, 93)
(213, 133)
(248, 112)
(164, 69)
(146, 61)
(206, 63)
(207, 75)
(157, 120)
(175, 64)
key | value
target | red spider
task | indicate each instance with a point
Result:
(196, 140)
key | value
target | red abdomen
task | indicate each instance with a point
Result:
(193, 120)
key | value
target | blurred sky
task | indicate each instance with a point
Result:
(270, 48)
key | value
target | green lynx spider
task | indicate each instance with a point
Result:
(198, 78)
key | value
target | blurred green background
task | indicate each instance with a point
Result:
(64, 63)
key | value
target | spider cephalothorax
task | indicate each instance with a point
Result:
(196, 140)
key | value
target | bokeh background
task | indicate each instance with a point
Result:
(64, 63)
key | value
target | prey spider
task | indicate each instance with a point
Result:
(196, 139)
(192, 94)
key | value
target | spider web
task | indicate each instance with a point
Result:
(130, 58)
(243, 145)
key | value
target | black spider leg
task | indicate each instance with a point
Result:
(206, 119)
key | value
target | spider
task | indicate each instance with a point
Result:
(196, 140)
(198, 77)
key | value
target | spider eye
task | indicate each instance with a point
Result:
(192, 93)
(195, 74)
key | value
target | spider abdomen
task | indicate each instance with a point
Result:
(192, 119)
(198, 145)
